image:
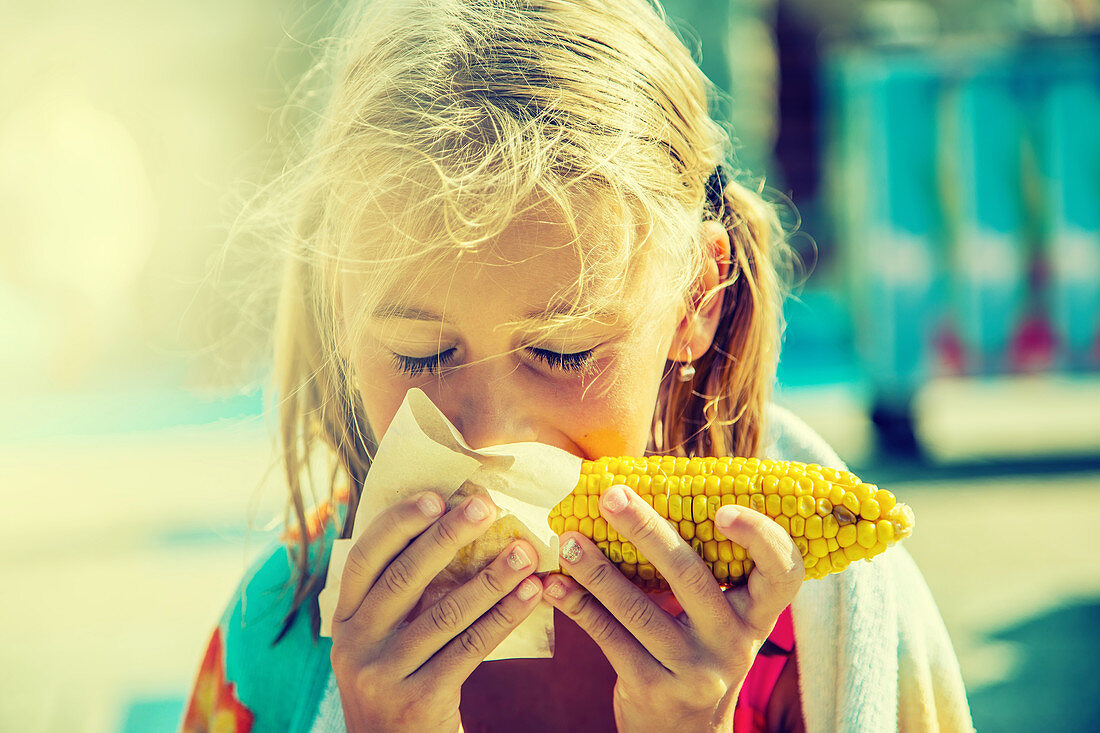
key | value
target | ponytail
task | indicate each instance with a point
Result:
(719, 412)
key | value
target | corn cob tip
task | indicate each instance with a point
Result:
(903, 519)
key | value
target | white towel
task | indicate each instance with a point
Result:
(873, 652)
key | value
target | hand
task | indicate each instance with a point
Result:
(681, 673)
(400, 670)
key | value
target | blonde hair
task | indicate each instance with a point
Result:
(449, 119)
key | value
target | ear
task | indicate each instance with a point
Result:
(696, 329)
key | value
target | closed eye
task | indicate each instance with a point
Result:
(415, 366)
(580, 361)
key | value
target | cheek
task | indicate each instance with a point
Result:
(613, 415)
(381, 392)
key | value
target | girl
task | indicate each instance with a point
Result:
(518, 206)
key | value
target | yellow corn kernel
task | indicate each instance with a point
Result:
(855, 552)
(813, 527)
(866, 534)
(847, 535)
(585, 527)
(599, 529)
(789, 505)
(885, 531)
(836, 495)
(805, 506)
(886, 501)
(685, 485)
(798, 526)
(712, 485)
(699, 508)
(851, 503)
(725, 486)
(660, 505)
(786, 486)
(675, 508)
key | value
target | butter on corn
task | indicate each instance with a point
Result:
(832, 516)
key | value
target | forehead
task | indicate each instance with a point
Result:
(539, 260)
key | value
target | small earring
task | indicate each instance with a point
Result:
(687, 370)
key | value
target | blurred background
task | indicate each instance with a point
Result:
(943, 158)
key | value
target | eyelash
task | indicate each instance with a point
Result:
(579, 361)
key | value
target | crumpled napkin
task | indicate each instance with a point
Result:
(422, 450)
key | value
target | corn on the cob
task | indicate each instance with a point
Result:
(833, 517)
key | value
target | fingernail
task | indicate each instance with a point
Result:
(571, 550)
(614, 499)
(476, 510)
(527, 590)
(556, 590)
(725, 515)
(430, 505)
(518, 559)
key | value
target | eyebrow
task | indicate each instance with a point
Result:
(393, 310)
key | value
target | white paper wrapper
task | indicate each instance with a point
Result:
(420, 451)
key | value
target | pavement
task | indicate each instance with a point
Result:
(118, 552)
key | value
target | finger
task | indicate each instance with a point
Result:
(691, 581)
(630, 659)
(380, 543)
(452, 664)
(778, 571)
(650, 624)
(404, 579)
(460, 608)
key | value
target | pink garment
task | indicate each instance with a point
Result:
(750, 715)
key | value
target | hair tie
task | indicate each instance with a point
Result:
(716, 186)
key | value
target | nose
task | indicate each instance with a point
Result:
(490, 412)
